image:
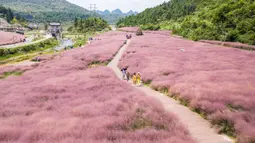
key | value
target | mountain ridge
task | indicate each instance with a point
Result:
(46, 10)
(117, 11)
(113, 16)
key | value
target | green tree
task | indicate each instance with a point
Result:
(76, 22)
(45, 26)
(225, 20)
(9, 15)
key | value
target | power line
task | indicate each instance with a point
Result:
(92, 9)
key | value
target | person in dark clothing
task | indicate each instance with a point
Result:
(128, 76)
(124, 73)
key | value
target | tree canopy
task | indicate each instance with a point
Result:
(225, 20)
(6, 13)
(91, 24)
(10, 17)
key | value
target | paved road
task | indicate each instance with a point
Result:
(198, 127)
(28, 41)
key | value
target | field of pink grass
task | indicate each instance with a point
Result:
(10, 38)
(129, 29)
(215, 80)
(63, 100)
(230, 44)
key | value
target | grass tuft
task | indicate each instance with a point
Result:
(7, 74)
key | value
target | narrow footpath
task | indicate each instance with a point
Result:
(29, 42)
(198, 127)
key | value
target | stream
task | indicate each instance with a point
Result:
(64, 43)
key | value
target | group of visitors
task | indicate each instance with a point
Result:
(136, 77)
(128, 36)
(22, 40)
(93, 39)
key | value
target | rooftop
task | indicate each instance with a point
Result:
(55, 24)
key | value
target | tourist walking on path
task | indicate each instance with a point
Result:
(134, 79)
(124, 73)
(138, 79)
(128, 76)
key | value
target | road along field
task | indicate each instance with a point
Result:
(70, 98)
(10, 38)
(215, 81)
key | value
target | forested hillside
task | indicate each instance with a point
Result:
(6, 13)
(46, 10)
(88, 25)
(225, 20)
(10, 17)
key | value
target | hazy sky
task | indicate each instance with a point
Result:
(124, 5)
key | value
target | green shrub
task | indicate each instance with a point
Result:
(4, 52)
(225, 20)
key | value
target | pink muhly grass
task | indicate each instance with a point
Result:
(63, 100)
(230, 44)
(129, 29)
(212, 78)
(8, 38)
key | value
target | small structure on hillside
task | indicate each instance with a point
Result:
(5, 26)
(139, 32)
(55, 29)
(33, 26)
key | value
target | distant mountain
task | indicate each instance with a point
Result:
(106, 12)
(117, 11)
(131, 12)
(113, 16)
(46, 10)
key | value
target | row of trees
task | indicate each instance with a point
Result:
(6, 13)
(225, 20)
(91, 24)
(173, 9)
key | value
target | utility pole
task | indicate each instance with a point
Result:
(92, 9)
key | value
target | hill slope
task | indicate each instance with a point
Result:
(46, 10)
(225, 20)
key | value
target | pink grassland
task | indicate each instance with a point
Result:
(214, 80)
(10, 38)
(129, 29)
(230, 44)
(63, 100)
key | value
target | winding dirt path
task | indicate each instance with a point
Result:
(198, 127)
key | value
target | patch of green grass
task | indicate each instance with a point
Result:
(147, 83)
(7, 74)
(226, 127)
(233, 108)
(94, 64)
(37, 39)
(26, 52)
(163, 90)
(202, 113)
(141, 122)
